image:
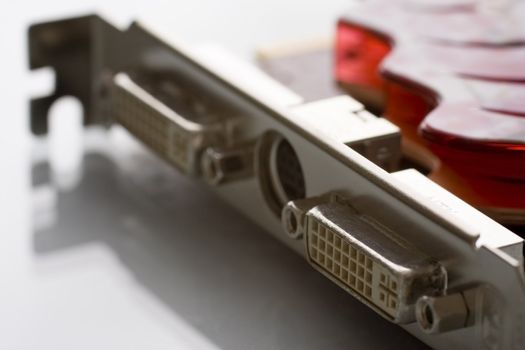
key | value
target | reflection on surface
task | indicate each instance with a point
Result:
(65, 141)
(222, 275)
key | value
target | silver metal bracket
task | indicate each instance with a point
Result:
(258, 156)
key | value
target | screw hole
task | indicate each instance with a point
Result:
(429, 316)
(291, 223)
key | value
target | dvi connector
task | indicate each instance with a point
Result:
(368, 260)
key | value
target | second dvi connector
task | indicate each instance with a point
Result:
(368, 260)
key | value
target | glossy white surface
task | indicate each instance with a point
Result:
(124, 253)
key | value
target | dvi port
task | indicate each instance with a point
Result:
(168, 119)
(369, 261)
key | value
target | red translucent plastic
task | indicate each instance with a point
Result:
(480, 141)
(406, 106)
(476, 141)
(358, 54)
(490, 62)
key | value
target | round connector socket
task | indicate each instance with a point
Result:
(279, 171)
